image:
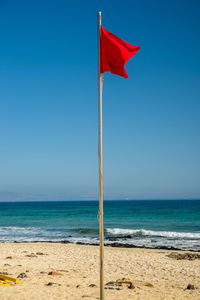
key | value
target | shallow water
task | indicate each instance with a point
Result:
(174, 223)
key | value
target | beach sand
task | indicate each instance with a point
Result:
(153, 274)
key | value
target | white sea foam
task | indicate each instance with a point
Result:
(143, 232)
(141, 242)
(19, 230)
(140, 237)
(84, 240)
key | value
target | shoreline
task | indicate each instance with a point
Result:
(112, 245)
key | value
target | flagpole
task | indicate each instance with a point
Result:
(101, 230)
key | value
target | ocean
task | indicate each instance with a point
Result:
(172, 224)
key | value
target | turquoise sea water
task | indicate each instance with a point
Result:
(132, 223)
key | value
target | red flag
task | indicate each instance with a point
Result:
(114, 53)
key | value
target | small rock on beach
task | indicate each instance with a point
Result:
(54, 273)
(190, 287)
(22, 275)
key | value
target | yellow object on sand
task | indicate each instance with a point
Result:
(7, 280)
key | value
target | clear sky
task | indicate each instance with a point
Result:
(49, 106)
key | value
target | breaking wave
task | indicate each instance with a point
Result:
(143, 232)
(121, 237)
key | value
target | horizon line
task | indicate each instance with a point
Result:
(96, 200)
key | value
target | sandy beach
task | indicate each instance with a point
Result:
(129, 273)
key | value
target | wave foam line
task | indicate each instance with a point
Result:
(143, 232)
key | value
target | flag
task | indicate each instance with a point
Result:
(114, 53)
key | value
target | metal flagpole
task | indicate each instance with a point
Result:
(101, 230)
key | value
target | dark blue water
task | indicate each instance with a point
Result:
(139, 223)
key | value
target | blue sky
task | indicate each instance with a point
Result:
(48, 101)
